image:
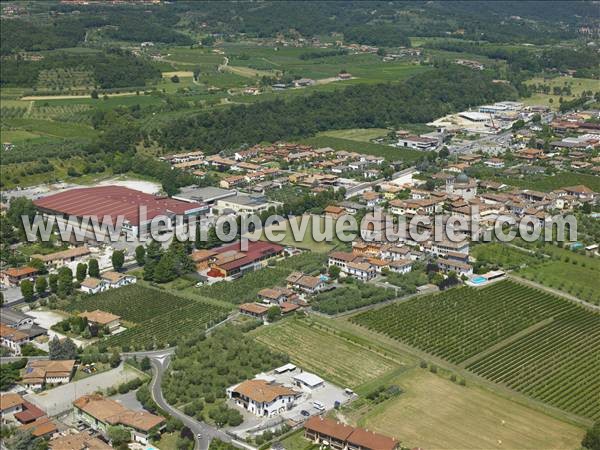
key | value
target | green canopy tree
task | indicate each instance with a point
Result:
(93, 268)
(27, 290)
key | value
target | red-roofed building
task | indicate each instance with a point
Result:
(115, 201)
(340, 436)
(230, 260)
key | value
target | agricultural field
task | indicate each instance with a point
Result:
(351, 296)
(496, 255)
(134, 303)
(566, 271)
(526, 339)
(389, 153)
(548, 183)
(152, 313)
(578, 85)
(558, 364)
(307, 242)
(460, 323)
(65, 80)
(335, 359)
(434, 412)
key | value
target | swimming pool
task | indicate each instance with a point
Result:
(478, 280)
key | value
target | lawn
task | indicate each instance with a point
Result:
(436, 413)
(548, 183)
(307, 242)
(390, 153)
(333, 358)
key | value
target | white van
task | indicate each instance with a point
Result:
(319, 406)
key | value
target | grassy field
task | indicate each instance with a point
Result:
(357, 134)
(548, 183)
(390, 153)
(335, 359)
(578, 85)
(308, 242)
(436, 413)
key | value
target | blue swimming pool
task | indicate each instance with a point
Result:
(478, 280)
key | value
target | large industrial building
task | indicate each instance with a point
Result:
(117, 201)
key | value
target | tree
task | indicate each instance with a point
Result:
(119, 435)
(145, 364)
(93, 268)
(117, 259)
(41, 285)
(591, 440)
(115, 359)
(140, 255)
(81, 272)
(273, 313)
(65, 281)
(53, 282)
(27, 290)
(175, 79)
(94, 94)
(334, 272)
(1, 298)
(62, 350)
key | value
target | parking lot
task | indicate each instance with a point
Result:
(327, 395)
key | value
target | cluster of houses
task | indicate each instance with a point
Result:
(93, 415)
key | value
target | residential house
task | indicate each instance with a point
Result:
(59, 259)
(102, 319)
(12, 339)
(361, 270)
(78, 441)
(14, 275)
(100, 413)
(93, 285)
(256, 310)
(262, 397)
(305, 283)
(459, 267)
(276, 295)
(41, 372)
(339, 436)
(10, 404)
(401, 266)
(117, 280)
(334, 211)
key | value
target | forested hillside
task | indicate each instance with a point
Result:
(419, 99)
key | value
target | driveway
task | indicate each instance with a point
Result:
(59, 400)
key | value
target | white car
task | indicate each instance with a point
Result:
(319, 406)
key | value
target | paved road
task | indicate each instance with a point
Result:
(207, 432)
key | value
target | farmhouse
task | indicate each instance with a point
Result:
(102, 319)
(305, 283)
(99, 413)
(61, 258)
(276, 295)
(254, 310)
(262, 398)
(40, 372)
(13, 276)
(12, 339)
(339, 436)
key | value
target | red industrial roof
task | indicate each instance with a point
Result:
(256, 250)
(113, 201)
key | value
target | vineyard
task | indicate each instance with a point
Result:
(165, 329)
(557, 362)
(65, 80)
(159, 317)
(134, 303)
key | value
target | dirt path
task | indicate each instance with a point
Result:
(67, 97)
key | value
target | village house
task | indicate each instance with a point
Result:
(256, 310)
(305, 283)
(10, 404)
(93, 285)
(41, 372)
(117, 280)
(339, 436)
(100, 413)
(77, 441)
(13, 275)
(262, 397)
(276, 295)
(59, 259)
(401, 266)
(102, 319)
(12, 339)
(334, 211)
(459, 267)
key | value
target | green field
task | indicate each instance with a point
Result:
(390, 153)
(548, 183)
(358, 134)
(497, 255)
(307, 242)
(335, 359)
(476, 326)
(578, 85)
(433, 412)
